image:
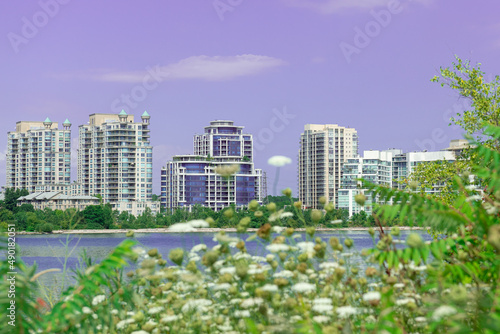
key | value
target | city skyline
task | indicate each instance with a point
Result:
(271, 66)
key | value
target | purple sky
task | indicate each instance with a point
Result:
(317, 61)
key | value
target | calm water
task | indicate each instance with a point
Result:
(48, 251)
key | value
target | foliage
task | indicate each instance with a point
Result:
(46, 228)
(97, 216)
(471, 84)
(483, 95)
(436, 177)
(10, 198)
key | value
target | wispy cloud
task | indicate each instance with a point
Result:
(335, 6)
(215, 68)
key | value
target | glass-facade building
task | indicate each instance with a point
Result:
(189, 180)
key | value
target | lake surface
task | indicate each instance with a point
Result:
(48, 251)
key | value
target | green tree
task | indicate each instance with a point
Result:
(98, 216)
(10, 198)
(484, 97)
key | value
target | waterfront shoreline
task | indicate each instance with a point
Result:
(200, 230)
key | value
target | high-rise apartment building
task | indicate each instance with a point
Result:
(38, 153)
(115, 160)
(323, 151)
(387, 168)
(190, 180)
(375, 167)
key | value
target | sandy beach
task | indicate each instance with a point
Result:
(201, 230)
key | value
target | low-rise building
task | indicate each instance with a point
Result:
(57, 200)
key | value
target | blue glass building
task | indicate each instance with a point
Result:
(190, 180)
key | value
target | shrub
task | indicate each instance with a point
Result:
(46, 228)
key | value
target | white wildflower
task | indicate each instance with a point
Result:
(182, 227)
(240, 255)
(404, 301)
(169, 318)
(399, 285)
(242, 314)
(140, 332)
(304, 287)
(199, 248)
(198, 223)
(98, 299)
(196, 305)
(253, 269)
(277, 248)
(371, 296)
(227, 270)
(337, 221)
(124, 323)
(155, 310)
(328, 265)
(443, 311)
(279, 161)
(114, 312)
(278, 229)
(222, 287)
(285, 215)
(86, 310)
(250, 302)
(322, 308)
(270, 257)
(346, 311)
(270, 288)
(322, 301)
(224, 238)
(321, 319)
(296, 236)
(283, 274)
(474, 198)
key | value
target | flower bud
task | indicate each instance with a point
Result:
(316, 215)
(176, 255)
(229, 213)
(322, 200)
(253, 205)
(287, 192)
(360, 199)
(153, 252)
(414, 240)
(297, 204)
(395, 231)
(271, 207)
(348, 243)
